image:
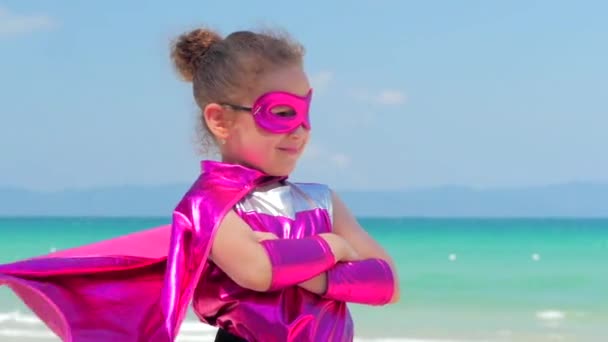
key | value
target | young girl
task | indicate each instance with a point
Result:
(259, 257)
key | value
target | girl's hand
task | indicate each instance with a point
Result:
(341, 249)
(351, 254)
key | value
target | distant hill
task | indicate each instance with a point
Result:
(561, 200)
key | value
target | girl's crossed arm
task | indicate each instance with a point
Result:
(372, 280)
(273, 263)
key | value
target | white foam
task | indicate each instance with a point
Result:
(198, 327)
(401, 339)
(190, 331)
(194, 338)
(550, 315)
(18, 317)
(194, 326)
(27, 333)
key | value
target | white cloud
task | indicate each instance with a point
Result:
(388, 97)
(13, 23)
(321, 80)
(391, 97)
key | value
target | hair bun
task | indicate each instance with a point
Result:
(190, 48)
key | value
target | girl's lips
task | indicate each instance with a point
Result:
(289, 150)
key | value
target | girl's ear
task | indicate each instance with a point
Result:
(217, 120)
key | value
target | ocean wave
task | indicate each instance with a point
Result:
(194, 338)
(18, 317)
(401, 339)
(196, 326)
(550, 315)
(41, 334)
(190, 331)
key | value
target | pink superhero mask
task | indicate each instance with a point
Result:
(279, 111)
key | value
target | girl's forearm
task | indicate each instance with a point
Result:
(369, 281)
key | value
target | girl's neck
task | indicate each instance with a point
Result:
(230, 160)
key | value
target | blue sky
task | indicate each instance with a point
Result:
(409, 94)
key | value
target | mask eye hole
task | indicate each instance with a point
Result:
(283, 111)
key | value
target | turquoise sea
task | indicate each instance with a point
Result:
(462, 279)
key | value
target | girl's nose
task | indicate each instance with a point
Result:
(298, 132)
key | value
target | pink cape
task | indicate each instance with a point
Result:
(136, 287)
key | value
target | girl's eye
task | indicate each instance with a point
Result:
(283, 111)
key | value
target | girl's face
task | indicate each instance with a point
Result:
(273, 153)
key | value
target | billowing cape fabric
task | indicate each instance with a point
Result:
(135, 287)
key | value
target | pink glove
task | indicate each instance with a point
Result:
(297, 260)
(369, 281)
